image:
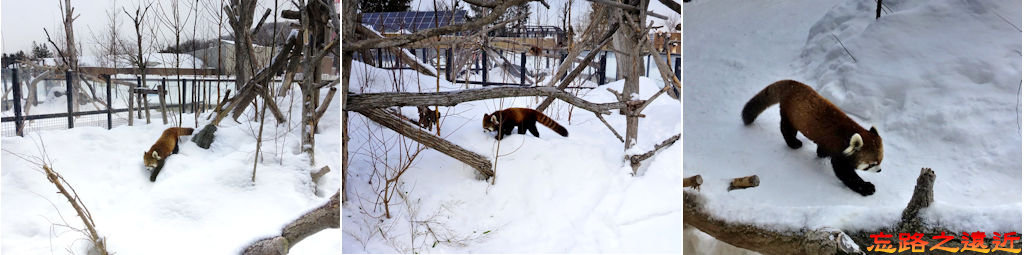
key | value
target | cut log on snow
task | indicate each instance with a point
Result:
(358, 102)
(756, 237)
(477, 161)
(323, 217)
(693, 182)
(744, 182)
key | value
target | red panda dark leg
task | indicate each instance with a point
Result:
(845, 172)
(522, 128)
(822, 152)
(789, 133)
(175, 151)
(532, 126)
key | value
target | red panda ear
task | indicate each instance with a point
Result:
(156, 155)
(873, 130)
(494, 119)
(855, 143)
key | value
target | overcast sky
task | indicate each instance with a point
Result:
(22, 21)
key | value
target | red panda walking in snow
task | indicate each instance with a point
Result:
(524, 118)
(165, 146)
(850, 146)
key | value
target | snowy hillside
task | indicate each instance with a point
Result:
(551, 194)
(940, 80)
(203, 201)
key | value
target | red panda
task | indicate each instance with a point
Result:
(524, 118)
(166, 145)
(850, 146)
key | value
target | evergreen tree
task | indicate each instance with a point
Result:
(40, 51)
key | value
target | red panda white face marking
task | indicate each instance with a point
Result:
(151, 164)
(867, 160)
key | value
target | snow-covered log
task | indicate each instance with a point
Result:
(359, 102)
(477, 161)
(323, 217)
(822, 240)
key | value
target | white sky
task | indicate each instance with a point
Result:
(22, 21)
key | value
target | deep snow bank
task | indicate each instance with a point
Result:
(941, 80)
(202, 202)
(551, 194)
(936, 77)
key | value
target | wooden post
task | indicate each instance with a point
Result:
(110, 105)
(19, 123)
(70, 96)
(163, 95)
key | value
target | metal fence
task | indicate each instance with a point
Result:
(203, 98)
(598, 71)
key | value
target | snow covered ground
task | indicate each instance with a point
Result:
(551, 194)
(936, 78)
(203, 201)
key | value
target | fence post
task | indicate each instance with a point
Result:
(522, 68)
(647, 68)
(110, 105)
(380, 58)
(604, 69)
(483, 64)
(448, 65)
(425, 60)
(19, 123)
(678, 70)
(71, 117)
(195, 95)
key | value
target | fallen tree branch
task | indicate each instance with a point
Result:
(616, 133)
(477, 161)
(358, 102)
(323, 217)
(635, 160)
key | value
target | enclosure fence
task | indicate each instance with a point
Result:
(150, 96)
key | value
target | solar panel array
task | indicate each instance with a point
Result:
(392, 22)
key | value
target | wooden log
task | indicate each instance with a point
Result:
(693, 182)
(744, 182)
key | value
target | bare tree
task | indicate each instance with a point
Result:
(141, 59)
(172, 20)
